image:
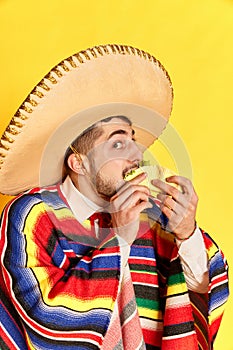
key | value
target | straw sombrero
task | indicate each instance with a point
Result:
(88, 86)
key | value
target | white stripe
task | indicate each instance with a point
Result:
(156, 325)
(140, 258)
(140, 345)
(87, 340)
(63, 261)
(146, 284)
(130, 318)
(218, 276)
(12, 340)
(178, 301)
(183, 335)
(217, 284)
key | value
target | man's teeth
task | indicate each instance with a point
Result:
(130, 172)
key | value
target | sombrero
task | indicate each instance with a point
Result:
(102, 81)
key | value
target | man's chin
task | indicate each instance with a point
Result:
(105, 193)
(105, 196)
(108, 189)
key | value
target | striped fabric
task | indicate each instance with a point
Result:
(59, 284)
(125, 332)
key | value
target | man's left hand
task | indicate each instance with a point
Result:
(179, 207)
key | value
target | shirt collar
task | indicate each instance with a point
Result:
(81, 206)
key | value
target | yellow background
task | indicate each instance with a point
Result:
(193, 39)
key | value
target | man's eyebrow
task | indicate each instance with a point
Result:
(119, 132)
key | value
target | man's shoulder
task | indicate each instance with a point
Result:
(45, 195)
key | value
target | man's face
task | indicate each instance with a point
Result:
(114, 154)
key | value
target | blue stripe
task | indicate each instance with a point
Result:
(11, 327)
(140, 251)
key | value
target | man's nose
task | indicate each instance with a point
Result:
(136, 154)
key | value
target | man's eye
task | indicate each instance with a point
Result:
(118, 145)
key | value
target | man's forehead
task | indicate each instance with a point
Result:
(115, 126)
(114, 120)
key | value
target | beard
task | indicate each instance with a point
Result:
(105, 187)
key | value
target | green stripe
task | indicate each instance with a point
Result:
(147, 304)
(176, 279)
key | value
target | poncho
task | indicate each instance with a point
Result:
(59, 285)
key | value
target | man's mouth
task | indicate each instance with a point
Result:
(130, 170)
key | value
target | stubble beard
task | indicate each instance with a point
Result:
(105, 187)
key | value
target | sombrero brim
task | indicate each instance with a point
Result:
(88, 86)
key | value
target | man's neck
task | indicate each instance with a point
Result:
(87, 189)
(81, 206)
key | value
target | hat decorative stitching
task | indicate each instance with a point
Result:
(23, 113)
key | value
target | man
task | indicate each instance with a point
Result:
(93, 262)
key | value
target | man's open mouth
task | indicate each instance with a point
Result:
(130, 170)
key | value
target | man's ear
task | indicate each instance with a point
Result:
(75, 163)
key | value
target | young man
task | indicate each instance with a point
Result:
(92, 262)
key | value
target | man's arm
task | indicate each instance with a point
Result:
(194, 261)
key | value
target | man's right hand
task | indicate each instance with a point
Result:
(126, 206)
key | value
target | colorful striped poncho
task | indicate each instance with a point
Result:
(59, 285)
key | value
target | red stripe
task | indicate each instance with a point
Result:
(142, 261)
(152, 337)
(184, 343)
(4, 225)
(144, 278)
(88, 289)
(173, 317)
(7, 341)
(219, 279)
(208, 242)
(215, 326)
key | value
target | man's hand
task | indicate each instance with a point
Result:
(126, 206)
(179, 207)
